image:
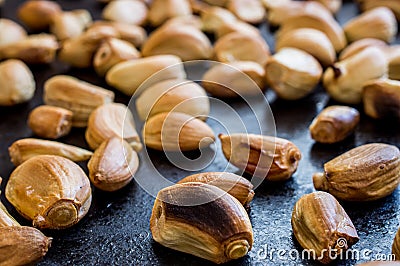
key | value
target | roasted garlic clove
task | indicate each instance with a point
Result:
(190, 20)
(24, 149)
(16, 83)
(38, 14)
(186, 42)
(111, 52)
(312, 41)
(237, 46)
(112, 120)
(10, 32)
(120, 76)
(334, 124)
(237, 186)
(292, 73)
(52, 191)
(393, 5)
(238, 79)
(381, 98)
(162, 10)
(274, 159)
(175, 131)
(126, 11)
(345, 79)
(321, 224)
(333, 5)
(50, 121)
(5, 218)
(396, 246)
(236, 26)
(360, 45)
(250, 11)
(22, 245)
(176, 95)
(379, 23)
(70, 24)
(215, 17)
(368, 172)
(220, 229)
(393, 54)
(34, 49)
(113, 165)
(75, 95)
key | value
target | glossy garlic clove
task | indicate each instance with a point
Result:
(220, 229)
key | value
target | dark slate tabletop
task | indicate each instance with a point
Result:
(116, 229)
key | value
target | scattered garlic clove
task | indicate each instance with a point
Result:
(10, 32)
(333, 5)
(360, 45)
(126, 11)
(58, 193)
(250, 11)
(38, 14)
(214, 17)
(394, 5)
(393, 54)
(162, 10)
(190, 20)
(236, 26)
(70, 24)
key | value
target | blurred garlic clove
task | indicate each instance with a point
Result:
(10, 32)
(293, 73)
(38, 14)
(360, 45)
(35, 49)
(220, 3)
(318, 21)
(312, 41)
(126, 11)
(238, 46)
(345, 79)
(113, 165)
(214, 17)
(76, 95)
(186, 42)
(112, 120)
(6, 219)
(381, 98)
(236, 26)
(333, 5)
(250, 11)
(24, 149)
(238, 79)
(394, 5)
(16, 82)
(70, 24)
(111, 52)
(162, 10)
(50, 121)
(120, 76)
(190, 20)
(175, 131)
(174, 95)
(58, 193)
(379, 23)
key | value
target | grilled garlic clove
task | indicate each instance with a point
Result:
(50, 121)
(112, 120)
(176, 132)
(365, 173)
(381, 98)
(186, 42)
(113, 165)
(111, 52)
(345, 79)
(75, 95)
(220, 229)
(214, 17)
(238, 79)
(333, 5)
(120, 76)
(34, 49)
(292, 73)
(70, 24)
(396, 245)
(24, 149)
(334, 124)
(250, 11)
(274, 159)
(126, 11)
(175, 95)
(237, 186)
(38, 15)
(52, 191)
(10, 32)
(379, 23)
(16, 83)
(321, 224)
(312, 41)
(22, 245)
(360, 45)
(162, 10)
(238, 46)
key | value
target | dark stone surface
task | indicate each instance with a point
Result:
(116, 229)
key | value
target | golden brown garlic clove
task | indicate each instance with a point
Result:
(368, 172)
(274, 159)
(360, 45)
(52, 191)
(38, 14)
(220, 229)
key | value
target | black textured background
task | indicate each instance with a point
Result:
(116, 229)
